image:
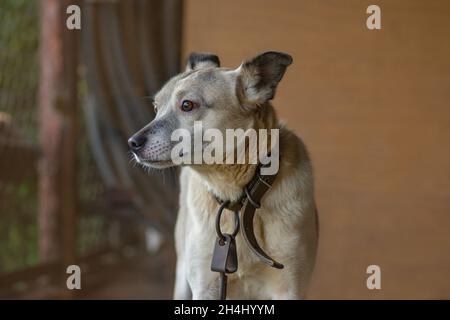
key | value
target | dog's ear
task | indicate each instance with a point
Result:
(258, 77)
(198, 60)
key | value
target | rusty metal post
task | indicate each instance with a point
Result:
(51, 127)
(58, 135)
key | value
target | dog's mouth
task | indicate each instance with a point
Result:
(152, 163)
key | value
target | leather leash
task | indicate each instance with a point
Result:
(224, 259)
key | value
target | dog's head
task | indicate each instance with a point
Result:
(220, 98)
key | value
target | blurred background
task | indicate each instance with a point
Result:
(373, 107)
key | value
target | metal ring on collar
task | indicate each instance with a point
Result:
(218, 217)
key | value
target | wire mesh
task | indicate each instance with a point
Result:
(19, 147)
(18, 133)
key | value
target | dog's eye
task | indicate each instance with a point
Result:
(187, 105)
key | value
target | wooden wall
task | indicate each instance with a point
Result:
(373, 108)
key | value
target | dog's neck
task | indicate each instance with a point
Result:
(227, 181)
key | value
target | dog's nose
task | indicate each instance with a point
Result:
(137, 142)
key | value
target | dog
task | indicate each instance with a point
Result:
(286, 224)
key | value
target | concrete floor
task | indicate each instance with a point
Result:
(144, 276)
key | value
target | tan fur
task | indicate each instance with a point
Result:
(285, 226)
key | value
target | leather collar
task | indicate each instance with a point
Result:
(247, 204)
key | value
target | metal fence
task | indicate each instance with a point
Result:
(19, 32)
(127, 49)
